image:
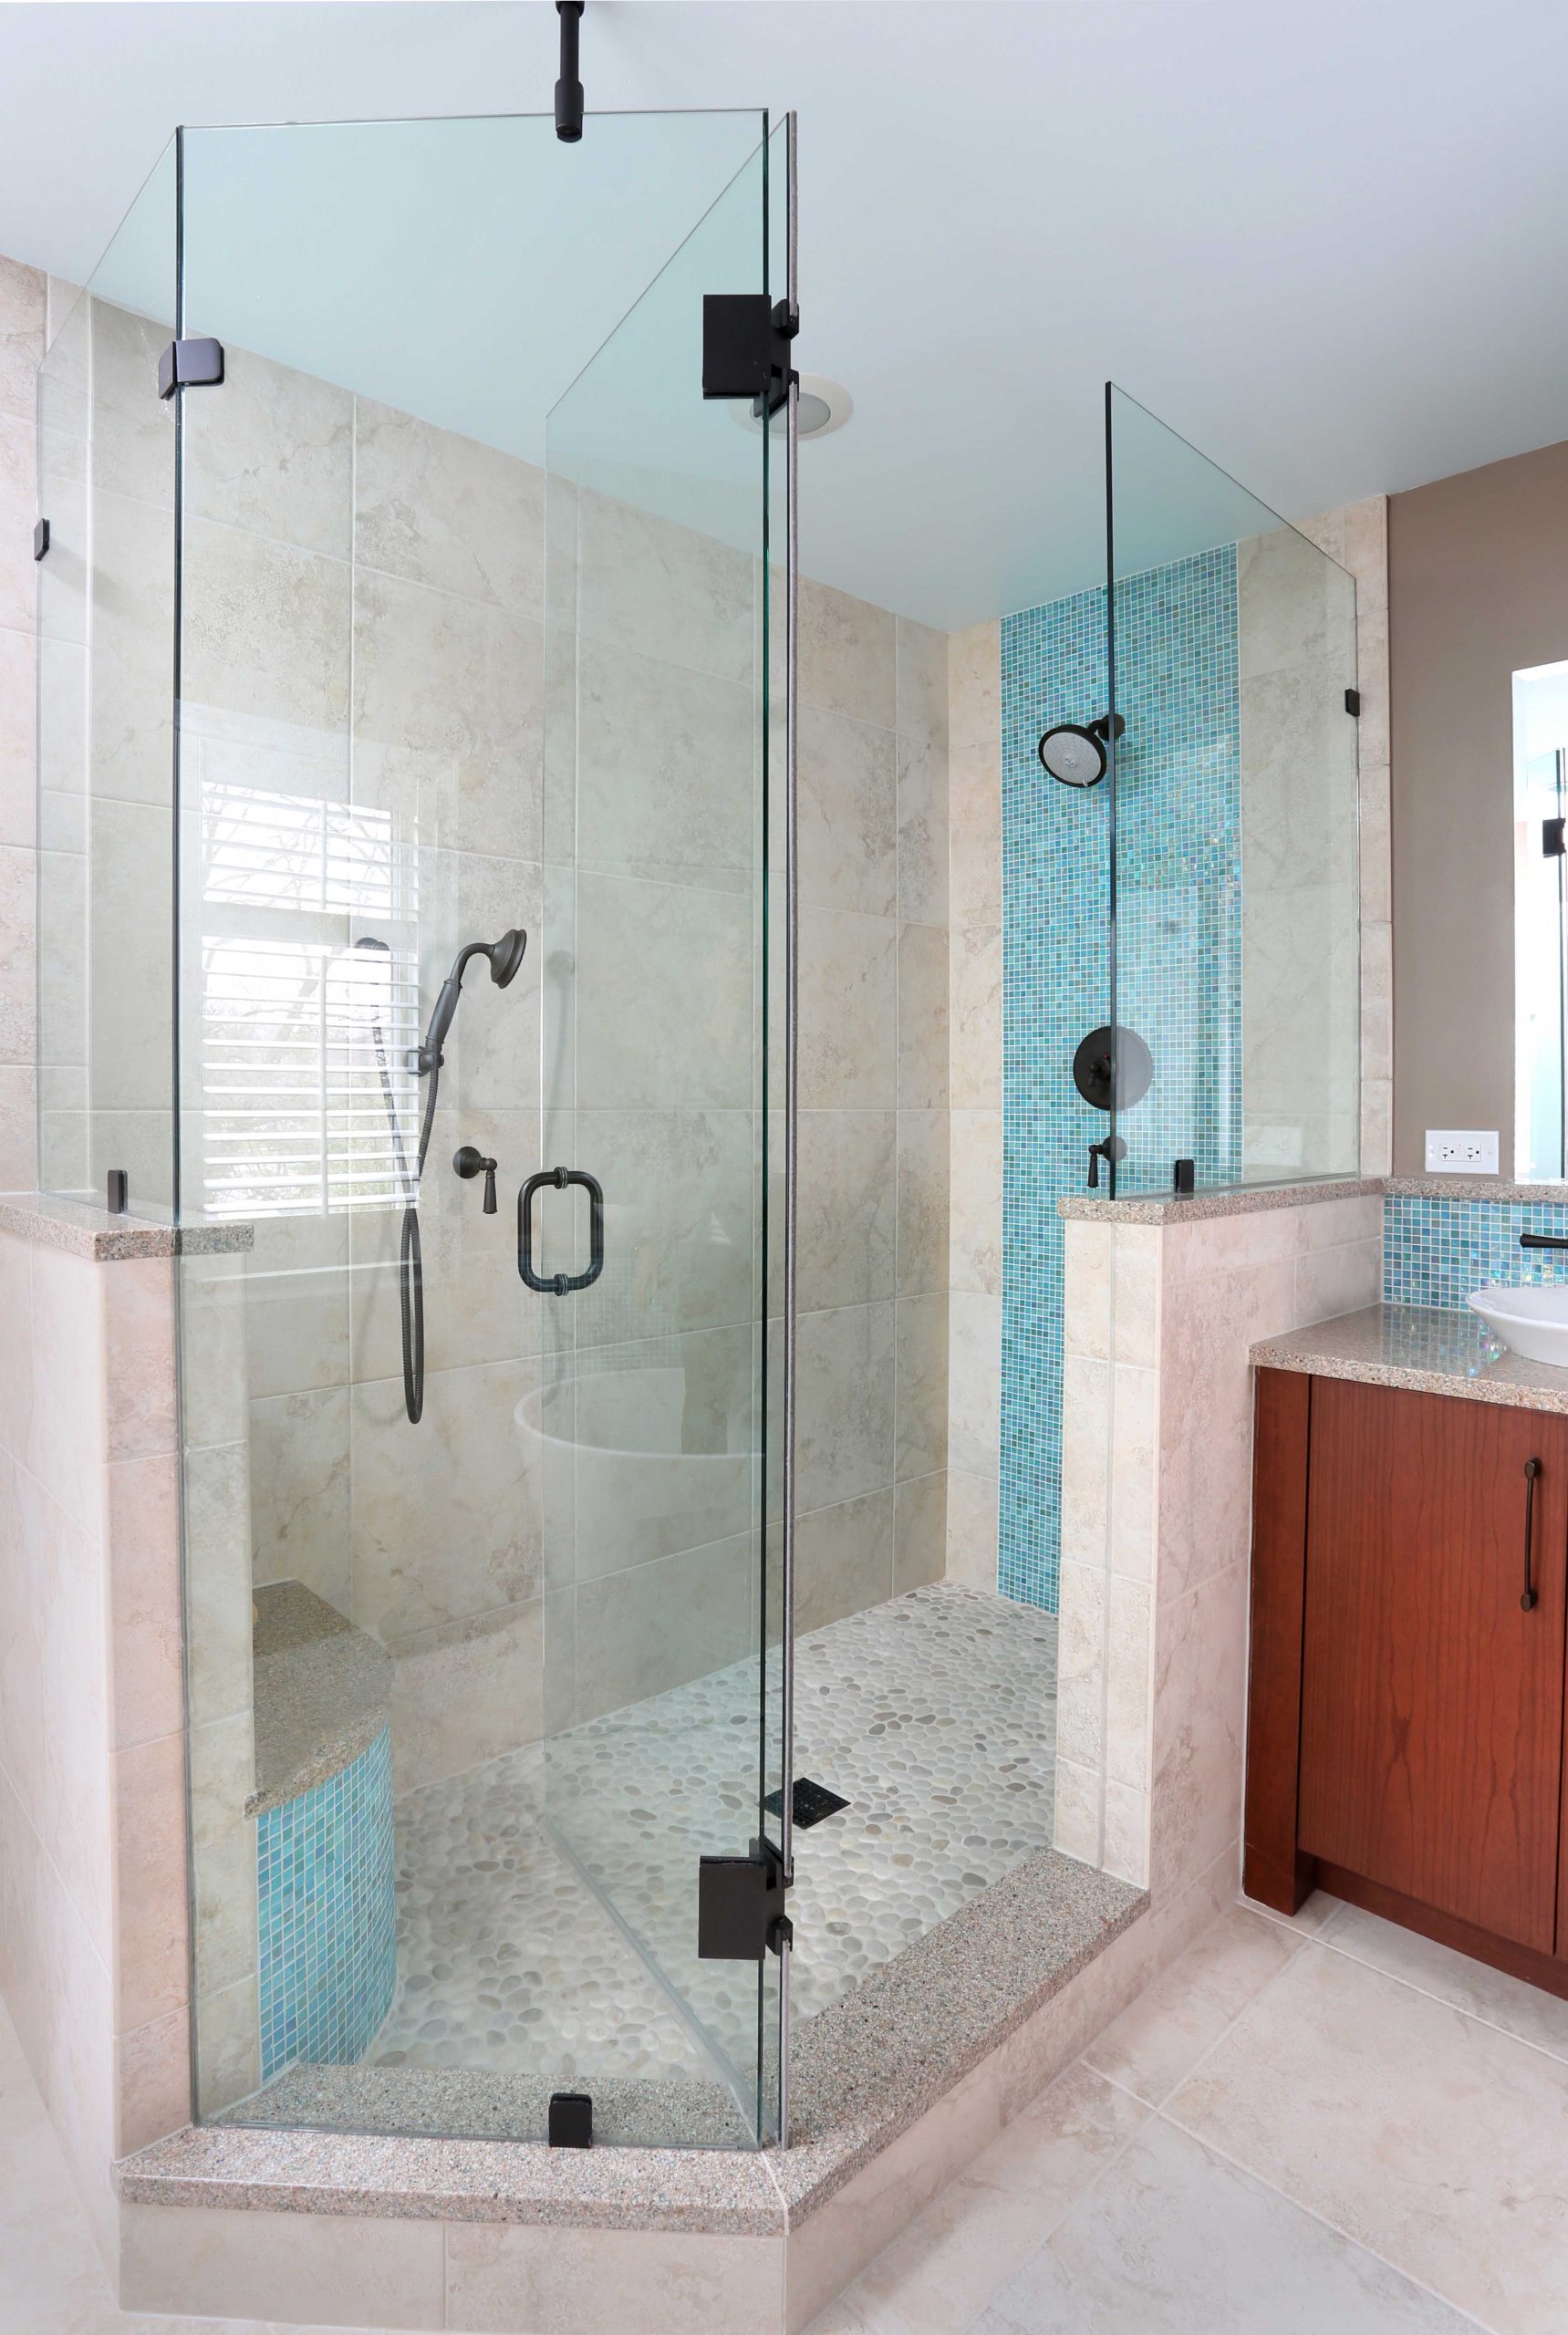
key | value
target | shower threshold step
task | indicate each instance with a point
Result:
(863, 2071)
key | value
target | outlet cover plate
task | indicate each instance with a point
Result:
(1461, 1151)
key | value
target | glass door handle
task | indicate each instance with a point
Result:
(560, 1284)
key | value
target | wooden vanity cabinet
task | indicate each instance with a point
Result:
(1406, 1712)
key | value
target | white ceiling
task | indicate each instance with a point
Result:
(1327, 240)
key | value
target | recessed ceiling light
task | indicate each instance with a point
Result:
(824, 406)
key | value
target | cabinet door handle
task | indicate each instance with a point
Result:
(1531, 1470)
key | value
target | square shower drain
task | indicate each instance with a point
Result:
(812, 1804)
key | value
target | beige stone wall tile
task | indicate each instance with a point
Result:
(976, 1018)
(920, 1397)
(152, 2081)
(847, 655)
(849, 811)
(843, 1559)
(922, 792)
(846, 1403)
(922, 1013)
(924, 1173)
(274, 455)
(919, 1532)
(467, 1694)
(151, 1956)
(974, 685)
(971, 1554)
(321, 2270)
(579, 2282)
(975, 1246)
(442, 510)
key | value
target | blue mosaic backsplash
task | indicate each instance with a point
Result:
(328, 1915)
(1179, 962)
(1435, 1251)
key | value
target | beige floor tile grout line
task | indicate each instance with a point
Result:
(1328, 1937)
(1239, 2164)
(1163, 2110)
(1446, 2002)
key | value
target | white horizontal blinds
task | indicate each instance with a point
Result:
(293, 1111)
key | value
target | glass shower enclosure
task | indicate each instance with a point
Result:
(1230, 829)
(415, 939)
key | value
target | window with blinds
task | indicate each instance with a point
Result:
(305, 1039)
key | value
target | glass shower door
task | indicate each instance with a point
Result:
(645, 1232)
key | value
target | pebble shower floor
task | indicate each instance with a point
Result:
(933, 1715)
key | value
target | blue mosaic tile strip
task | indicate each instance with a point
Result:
(1179, 962)
(1435, 1251)
(328, 1915)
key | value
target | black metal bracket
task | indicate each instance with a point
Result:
(560, 1284)
(40, 539)
(569, 88)
(741, 1905)
(746, 347)
(117, 1194)
(571, 2120)
(1552, 834)
(190, 364)
(1184, 1175)
(1353, 701)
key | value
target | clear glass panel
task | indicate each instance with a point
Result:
(1541, 926)
(651, 1414)
(409, 1461)
(1236, 903)
(106, 596)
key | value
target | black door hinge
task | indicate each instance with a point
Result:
(190, 364)
(40, 539)
(1551, 843)
(741, 1905)
(1353, 701)
(745, 348)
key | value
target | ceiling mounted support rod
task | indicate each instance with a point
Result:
(569, 88)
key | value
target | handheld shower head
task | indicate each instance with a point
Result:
(506, 955)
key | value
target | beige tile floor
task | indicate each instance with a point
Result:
(1326, 2127)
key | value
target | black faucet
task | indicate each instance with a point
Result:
(1542, 1241)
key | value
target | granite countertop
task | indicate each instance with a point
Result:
(322, 1692)
(83, 1229)
(1164, 1208)
(1430, 1349)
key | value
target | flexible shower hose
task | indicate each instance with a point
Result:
(411, 1256)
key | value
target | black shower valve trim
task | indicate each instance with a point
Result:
(470, 1162)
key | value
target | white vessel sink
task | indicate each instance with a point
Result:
(1534, 1321)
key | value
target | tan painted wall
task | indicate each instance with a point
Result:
(1477, 586)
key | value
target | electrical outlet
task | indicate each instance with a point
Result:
(1461, 1151)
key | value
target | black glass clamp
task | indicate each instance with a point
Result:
(746, 342)
(190, 364)
(560, 1284)
(741, 1905)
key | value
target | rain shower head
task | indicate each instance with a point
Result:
(1075, 754)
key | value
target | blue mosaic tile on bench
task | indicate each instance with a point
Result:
(327, 1912)
(1180, 974)
(1435, 1251)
